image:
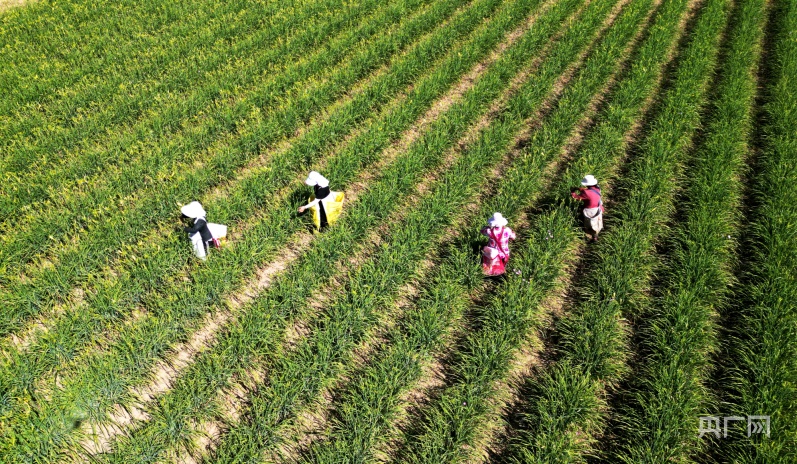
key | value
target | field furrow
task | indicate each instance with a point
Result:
(677, 334)
(150, 221)
(152, 335)
(425, 91)
(43, 138)
(758, 347)
(564, 403)
(192, 119)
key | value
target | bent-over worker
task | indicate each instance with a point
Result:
(200, 232)
(326, 204)
(590, 194)
(496, 254)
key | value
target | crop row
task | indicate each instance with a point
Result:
(565, 407)
(366, 407)
(138, 162)
(121, 90)
(221, 100)
(451, 427)
(149, 209)
(299, 375)
(267, 318)
(177, 304)
(678, 338)
(49, 51)
(762, 346)
(237, 345)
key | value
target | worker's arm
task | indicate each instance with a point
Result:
(309, 205)
(579, 196)
(195, 228)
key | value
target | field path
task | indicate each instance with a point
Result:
(168, 369)
(8, 4)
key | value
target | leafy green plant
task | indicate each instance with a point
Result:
(760, 348)
(565, 404)
(678, 336)
(153, 335)
(269, 65)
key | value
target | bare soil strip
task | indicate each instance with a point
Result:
(41, 324)
(100, 436)
(313, 422)
(309, 422)
(8, 4)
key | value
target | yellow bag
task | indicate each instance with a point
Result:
(332, 208)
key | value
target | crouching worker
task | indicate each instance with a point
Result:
(590, 194)
(496, 254)
(325, 204)
(202, 234)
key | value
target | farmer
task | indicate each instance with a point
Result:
(590, 194)
(200, 233)
(496, 254)
(326, 204)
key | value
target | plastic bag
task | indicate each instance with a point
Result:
(218, 231)
(333, 208)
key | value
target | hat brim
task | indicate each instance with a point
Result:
(193, 210)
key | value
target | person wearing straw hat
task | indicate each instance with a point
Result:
(590, 194)
(496, 254)
(201, 233)
(326, 204)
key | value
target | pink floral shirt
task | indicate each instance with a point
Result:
(499, 238)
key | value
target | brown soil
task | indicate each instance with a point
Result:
(312, 422)
(8, 4)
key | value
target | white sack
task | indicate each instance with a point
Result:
(217, 230)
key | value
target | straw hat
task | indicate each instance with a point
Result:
(497, 220)
(315, 178)
(589, 180)
(193, 210)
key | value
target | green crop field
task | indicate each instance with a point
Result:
(672, 339)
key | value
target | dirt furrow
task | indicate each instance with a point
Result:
(311, 421)
(100, 436)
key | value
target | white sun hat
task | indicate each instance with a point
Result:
(497, 220)
(193, 210)
(315, 178)
(589, 180)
